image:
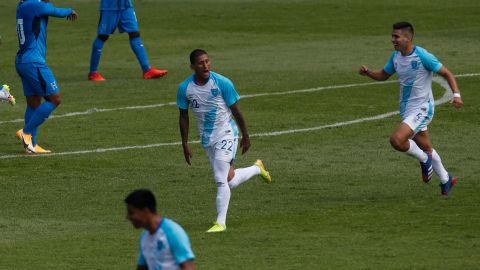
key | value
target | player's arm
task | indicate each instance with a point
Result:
(447, 75)
(245, 141)
(184, 123)
(48, 9)
(378, 75)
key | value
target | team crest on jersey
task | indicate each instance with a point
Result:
(215, 91)
(414, 65)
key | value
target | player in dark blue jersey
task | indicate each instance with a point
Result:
(120, 14)
(37, 79)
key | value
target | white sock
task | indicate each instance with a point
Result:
(415, 151)
(243, 174)
(220, 173)
(438, 167)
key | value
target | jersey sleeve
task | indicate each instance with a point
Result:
(429, 61)
(179, 243)
(48, 9)
(229, 93)
(141, 258)
(389, 66)
(182, 100)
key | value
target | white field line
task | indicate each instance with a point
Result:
(447, 96)
(100, 110)
(151, 106)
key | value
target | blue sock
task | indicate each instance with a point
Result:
(28, 115)
(39, 116)
(140, 52)
(96, 53)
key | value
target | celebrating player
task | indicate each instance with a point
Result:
(213, 100)
(415, 67)
(6, 96)
(163, 244)
(37, 79)
(120, 14)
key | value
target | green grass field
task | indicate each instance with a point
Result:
(342, 198)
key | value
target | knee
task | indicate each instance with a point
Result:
(103, 37)
(56, 100)
(396, 142)
(134, 35)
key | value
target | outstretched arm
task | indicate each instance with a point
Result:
(245, 141)
(378, 75)
(48, 9)
(183, 123)
(447, 75)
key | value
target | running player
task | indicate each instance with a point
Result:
(415, 67)
(37, 78)
(163, 244)
(213, 100)
(6, 96)
(120, 14)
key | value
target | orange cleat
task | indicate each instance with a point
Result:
(95, 76)
(26, 140)
(153, 73)
(40, 150)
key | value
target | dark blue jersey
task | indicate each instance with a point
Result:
(115, 4)
(32, 21)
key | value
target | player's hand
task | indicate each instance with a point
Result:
(245, 144)
(363, 70)
(72, 17)
(187, 153)
(457, 102)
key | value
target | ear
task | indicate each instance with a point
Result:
(192, 67)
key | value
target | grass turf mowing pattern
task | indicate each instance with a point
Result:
(341, 198)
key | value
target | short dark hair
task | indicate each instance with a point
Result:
(406, 26)
(196, 53)
(141, 199)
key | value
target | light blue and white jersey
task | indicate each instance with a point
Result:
(166, 249)
(415, 72)
(210, 104)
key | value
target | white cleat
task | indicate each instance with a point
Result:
(5, 95)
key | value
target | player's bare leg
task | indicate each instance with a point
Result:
(400, 140)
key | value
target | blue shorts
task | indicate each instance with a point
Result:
(125, 20)
(37, 80)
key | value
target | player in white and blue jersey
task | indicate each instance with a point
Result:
(213, 101)
(164, 244)
(120, 14)
(6, 96)
(415, 67)
(37, 79)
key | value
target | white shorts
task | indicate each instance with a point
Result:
(224, 149)
(419, 119)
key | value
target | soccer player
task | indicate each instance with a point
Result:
(213, 100)
(37, 79)
(415, 67)
(120, 14)
(164, 244)
(6, 96)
